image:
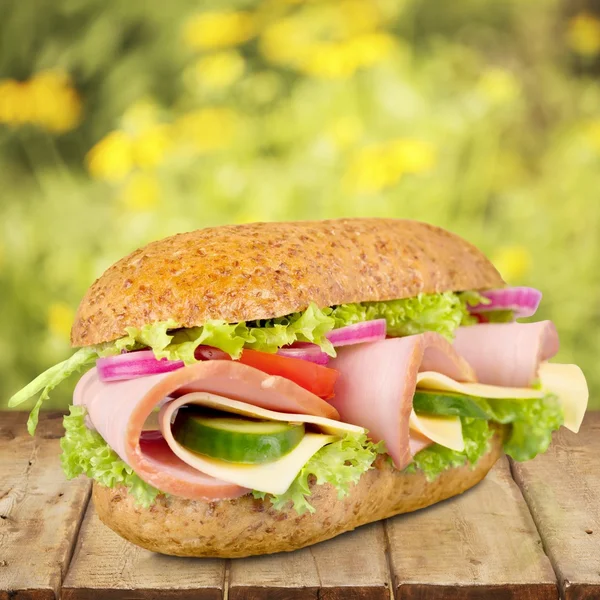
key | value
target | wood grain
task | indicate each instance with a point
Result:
(481, 545)
(562, 489)
(106, 567)
(40, 511)
(350, 567)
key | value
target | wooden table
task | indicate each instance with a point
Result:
(528, 531)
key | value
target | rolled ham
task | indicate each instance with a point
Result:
(507, 354)
(377, 383)
(118, 411)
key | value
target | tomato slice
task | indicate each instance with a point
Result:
(312, 377)
(315, 378)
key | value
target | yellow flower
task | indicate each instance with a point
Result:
(111, 158)
(499, 86)
(141, 192)
(220, 70)
(207, 129)
(368, 172)
(47, 100)
(346, 131)
(60, 318)
(57, 104)
(151, 145)
(411, 156)
(513, 262)
(329, 60)
(355, 17)
(285, 41)
(342, 59)
(379, 166)
(583, 34)
(219, 29)
(371, 49)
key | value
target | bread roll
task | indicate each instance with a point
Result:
(245, 526)
(264, 270)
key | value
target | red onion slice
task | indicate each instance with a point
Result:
(134, 364)
(524, 301)
(359, 333)
(305, 351)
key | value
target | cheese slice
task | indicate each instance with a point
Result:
(238, 407)
(274, 477)
(443, 430)
(568, 384)
(430, 380)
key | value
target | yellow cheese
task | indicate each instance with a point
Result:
(249, 410)
(568, 383)
(274, 477)
(430, 380)
(445, 431)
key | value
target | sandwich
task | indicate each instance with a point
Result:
(259, 388)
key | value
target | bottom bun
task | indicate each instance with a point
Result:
(245, 526)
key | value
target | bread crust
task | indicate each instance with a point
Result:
(246, 527)
(263, 270)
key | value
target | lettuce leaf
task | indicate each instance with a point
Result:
(436, 459)
(533, 422)
(441, 313)
(84, 452)
(48, 380)
(341, 464)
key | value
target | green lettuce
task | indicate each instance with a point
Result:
(48, 380)
(84, 452)
(441, 313)
(340, 463)
(532, 423)
(436, 459)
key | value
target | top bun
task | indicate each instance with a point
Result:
(264, 270)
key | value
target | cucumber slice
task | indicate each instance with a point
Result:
(234, 438)
(448, 403)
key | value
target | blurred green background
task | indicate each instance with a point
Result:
(122, 122)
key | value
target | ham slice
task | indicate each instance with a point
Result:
(507, 354)
(119, 409)
(377, 383)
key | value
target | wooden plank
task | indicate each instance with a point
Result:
(562, 488)
(106, 567)
(482, 544)
(352, 566)
(40, 511)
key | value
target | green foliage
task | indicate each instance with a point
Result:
(461, 120)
